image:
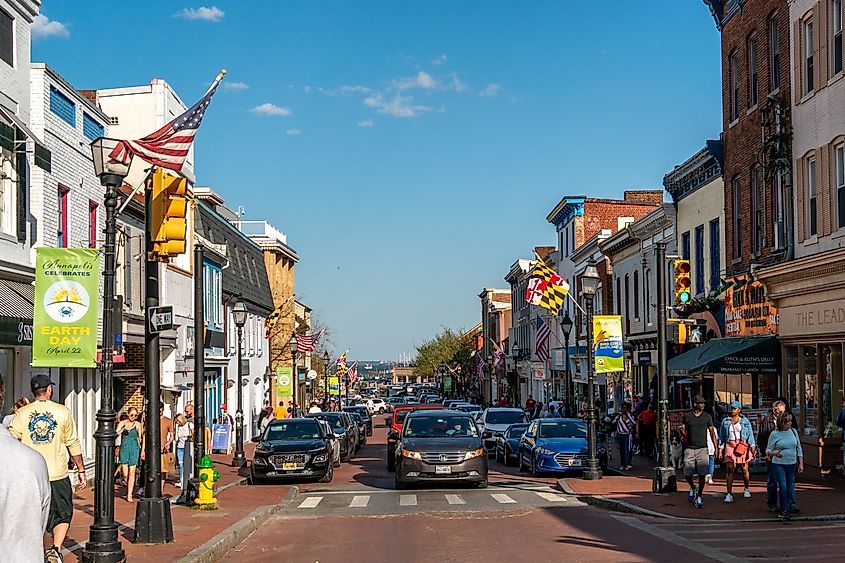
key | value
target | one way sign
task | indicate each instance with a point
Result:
(161, 318)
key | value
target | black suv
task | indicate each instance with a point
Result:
(295, 447)
(365, 413)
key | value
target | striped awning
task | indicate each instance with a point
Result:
(16, 299)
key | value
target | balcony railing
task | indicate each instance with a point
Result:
(261, 229)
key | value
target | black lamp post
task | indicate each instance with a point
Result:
(515, 354)
(589, 287)
(442, 376)
(295, 375)
(239, 314)
(103, 543)
(566, 325)
(326, 378)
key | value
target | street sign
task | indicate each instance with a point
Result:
(312, 374)
(161, 318)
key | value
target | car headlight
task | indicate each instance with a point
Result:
(410, 454)
(545, 451)
(321, 458)
(474, 453)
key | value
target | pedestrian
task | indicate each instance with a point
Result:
(118, 474)
(268, 418)
(166, 440)
(314, 408)
(840, 422)
(787, 457)
(281, 411)
(696, 425)
(7, 420)
(736, 447)
(131, 434)
(538, 410)
(530, 405)
(554, 408)
(626, 427)
(49, 429)
(184, 430)
(24, 498)
(711, 458)
(768, 426)
(647, 430)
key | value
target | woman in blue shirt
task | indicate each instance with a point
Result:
(786, 456)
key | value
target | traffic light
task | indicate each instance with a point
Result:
(168, 209)
(682, 282)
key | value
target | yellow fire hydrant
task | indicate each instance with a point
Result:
(207, 477)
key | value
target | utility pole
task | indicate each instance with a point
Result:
(664, 475)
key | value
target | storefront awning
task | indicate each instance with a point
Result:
(16, 299)
(745, 354)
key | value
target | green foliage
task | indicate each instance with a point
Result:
(449, 346)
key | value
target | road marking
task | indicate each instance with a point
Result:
(671, 537)
(359, 501)
(407, 500)
(455, 499)
(551, 496)
(310, 502)
(502, 499)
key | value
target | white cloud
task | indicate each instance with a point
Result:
(307, 88)
(270, 110)
(212, 14)
(457, 85)
(235, 86)
(293, 132)
(439, 60)
(43, 27)
(399, 106)
(422, 80)
(345, 90)
(490, 90)
(366, 123)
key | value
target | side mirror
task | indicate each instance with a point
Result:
(255, 439)
(393, 435)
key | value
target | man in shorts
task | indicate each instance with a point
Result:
(696, 425)
(49, 429)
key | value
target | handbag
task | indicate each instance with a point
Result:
(741, 447)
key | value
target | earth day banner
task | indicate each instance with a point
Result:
(284, 381)
(67, 289)
(607, 343)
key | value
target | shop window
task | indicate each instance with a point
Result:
(793, 379)
(732, 387)
(831, 387)
(810, 392)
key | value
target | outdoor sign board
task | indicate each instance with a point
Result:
(284, 381)
(607, 343)
(747, 311)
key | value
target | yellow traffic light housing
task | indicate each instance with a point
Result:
(168, 219)
(683, 284)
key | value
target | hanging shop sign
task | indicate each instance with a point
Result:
(607, 343)
(284, 382)
(67, 284)
(747, 311)
(538, 371)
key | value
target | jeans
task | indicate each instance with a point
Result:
(624, 441)
(712, 468)
(772, 488)
(180, 457)
(784, 477)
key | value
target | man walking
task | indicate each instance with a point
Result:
(49, 429)
(696, 425)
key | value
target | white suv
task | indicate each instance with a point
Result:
(376, 405)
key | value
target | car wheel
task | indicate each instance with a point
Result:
(327, 478)
(534, 472)
(391, 462)
(497, 453)
(253, 479)
(506, 455)
(400, 486)
(481, 484)
(521, 461)
(381, 411)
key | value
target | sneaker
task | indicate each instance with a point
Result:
(691, 495)
(793, 509)
(784, 516)
(53, 555)
(729, 498)
(699, 503)
(708, 479)
(773, 508)
(746, 493)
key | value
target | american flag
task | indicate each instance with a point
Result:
(168, 147)
(479, 365)
(542, 348)
(308, 342)
(352, 374)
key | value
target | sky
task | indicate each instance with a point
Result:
(411, 150)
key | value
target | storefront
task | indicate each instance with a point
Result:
(15, 340)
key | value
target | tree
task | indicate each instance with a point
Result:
(454, 348)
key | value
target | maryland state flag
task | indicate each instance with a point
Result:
(271, 321)
(546, 288)
(341, 364)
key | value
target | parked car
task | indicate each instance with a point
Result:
(495, 420)
(392, 402)
(335, 443)
(362, 427)
(376, 405)
(439, 445)
(448, 403)
(554, 444)
(467, 407)
(507, 443)
(365, 414)
(294, 447)
(395, 429)
(340, 429)
(353, 429)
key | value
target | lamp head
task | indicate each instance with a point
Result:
(239, 313)
(110, 158)
(293, 343)
(590, 279)
(566, 324)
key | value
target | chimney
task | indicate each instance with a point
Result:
(91, 95)
(652, 197)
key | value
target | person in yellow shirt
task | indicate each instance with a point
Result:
(49, 429)
(281, 412)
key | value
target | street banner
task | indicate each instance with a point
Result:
(284, 382)
(334, 385)
(447, 383)
(67, 289)
(607, 343)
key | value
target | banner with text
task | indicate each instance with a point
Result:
(67, 289)
(334, 385)
(284, 382)
(607, 343)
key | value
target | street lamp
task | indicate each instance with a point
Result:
(442, 376)
(295, 375)
(326, 378)
(589, 287)
(566, 325)
(239, 314)
(103, 543)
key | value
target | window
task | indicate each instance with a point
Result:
(699, 259)
(627, 303)
(812, 224)
(715, 254)
(685, 246)
(756, 209)
(839, 164)
(774, 53)
(91, 128)
(92, 224)
(734, 86)
(753, 86)
(736, 209)
(212, 278)
(114, 121)
(62, 234)
(63, 107)
(836, 42)
(565, 245)
(7, 38)
(808, 56)
(777, 199)
(636, 294)
(7, 196)
(647, 303)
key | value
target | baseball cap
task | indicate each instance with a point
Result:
(40, 381)
(736, 405)
(697, 399)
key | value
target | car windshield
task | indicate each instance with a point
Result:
(440, 427)
(335, 420)
(517, 430)
(505, 417)
(567, 429)
(401, 415)
(293, 431)
(356, 417)
(358, 409)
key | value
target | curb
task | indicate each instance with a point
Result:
(217, 546)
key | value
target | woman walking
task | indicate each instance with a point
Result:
(184, 430)
(786, 456)
(130, 431)
(626, 429)
(737, 447)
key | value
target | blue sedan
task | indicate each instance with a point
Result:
(554, 444)
(507, 443)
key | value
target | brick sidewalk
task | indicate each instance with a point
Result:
(815, 496)
(191, 528)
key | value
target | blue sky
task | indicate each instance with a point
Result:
(411, 150)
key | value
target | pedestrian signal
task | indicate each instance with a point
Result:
(682, 282)
(168, 210)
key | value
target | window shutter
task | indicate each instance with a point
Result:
(797, 67)
(799, 187)
(127, 268)
(820, 15)
(22, 192)
(823, 192)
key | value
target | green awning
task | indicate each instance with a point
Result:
(744, 354)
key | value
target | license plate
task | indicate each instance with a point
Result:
(574, 462)
(442, 469)
(288, 466)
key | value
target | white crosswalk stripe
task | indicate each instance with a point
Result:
(360, 501)
(455, 499)
(551, 496)
(310, 502)
(502, 498)
(407, 500)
